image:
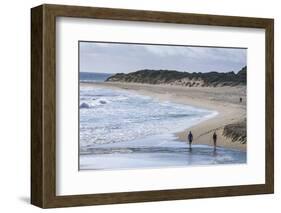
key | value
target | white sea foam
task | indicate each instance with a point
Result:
(112, 116)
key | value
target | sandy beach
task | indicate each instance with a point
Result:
(224, 100)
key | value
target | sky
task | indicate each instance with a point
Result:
(125, 58)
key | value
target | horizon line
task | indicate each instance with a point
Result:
(146, 69)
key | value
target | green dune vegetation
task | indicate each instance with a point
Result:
(172, 77)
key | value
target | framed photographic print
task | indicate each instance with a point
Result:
(136, 106)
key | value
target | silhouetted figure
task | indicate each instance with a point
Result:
(215, 140)
(190, 139)
(240, 100)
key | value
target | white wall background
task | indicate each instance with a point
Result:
(15, 104)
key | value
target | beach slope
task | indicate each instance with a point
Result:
(224, 100)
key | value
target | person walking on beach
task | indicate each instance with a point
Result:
(190, 139)
(215, 140)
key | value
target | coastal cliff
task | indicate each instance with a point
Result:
(172, 77)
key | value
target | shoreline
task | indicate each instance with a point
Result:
(223, 100)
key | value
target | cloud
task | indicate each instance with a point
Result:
(117, 57)
(167, 50)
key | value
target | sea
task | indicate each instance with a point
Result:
(122, 129)
(88, 77)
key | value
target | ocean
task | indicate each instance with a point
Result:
(121, 129)
(93, 77)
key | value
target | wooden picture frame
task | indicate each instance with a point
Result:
(43, 105)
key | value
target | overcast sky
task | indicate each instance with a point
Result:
(124, 58)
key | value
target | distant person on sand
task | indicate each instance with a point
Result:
(215, 140)
(190, 139)
(240, 100)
